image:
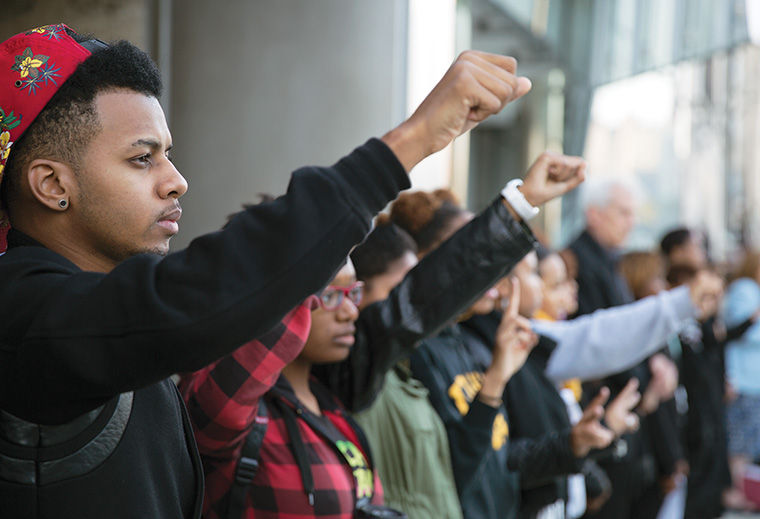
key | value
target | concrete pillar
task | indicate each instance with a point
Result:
(261, 88)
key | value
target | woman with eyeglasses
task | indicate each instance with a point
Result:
(328, 453)
(310, 459)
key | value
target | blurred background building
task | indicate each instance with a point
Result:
(661, 91)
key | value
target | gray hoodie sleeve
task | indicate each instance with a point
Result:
(614, 339)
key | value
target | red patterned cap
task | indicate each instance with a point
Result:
(33, 66)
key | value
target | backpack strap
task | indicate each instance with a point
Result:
(248, 465)
(299, 449)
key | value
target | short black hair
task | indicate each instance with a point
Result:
(384, 245)
(67, 124)
(673, 239)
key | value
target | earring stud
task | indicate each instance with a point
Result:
(63, 203)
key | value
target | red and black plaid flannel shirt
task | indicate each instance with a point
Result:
(277, 491)
(222, 398)
(223, 401)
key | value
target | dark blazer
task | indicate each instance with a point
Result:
(705, 437)
(599, 283)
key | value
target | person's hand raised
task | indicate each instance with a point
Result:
(619, 415)
(706, 291)
(552, 175)
(477, 85)
(589, 433)
(513, 343)
(661, 386)
(514, 337)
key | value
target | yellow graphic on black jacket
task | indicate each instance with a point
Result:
(464, 389)
(462, 392)
(499, 432)
(365, 483)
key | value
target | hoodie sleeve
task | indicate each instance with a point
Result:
(614, 339)
(73, 339)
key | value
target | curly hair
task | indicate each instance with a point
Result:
(67, 124)
(426, 216)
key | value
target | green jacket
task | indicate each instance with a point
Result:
(406, 433)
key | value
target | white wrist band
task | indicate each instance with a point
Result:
(517, 200)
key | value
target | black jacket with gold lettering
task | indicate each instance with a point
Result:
(490, 466)
(540, 448)
(452, 365)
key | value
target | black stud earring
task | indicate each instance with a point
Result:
(63, 203)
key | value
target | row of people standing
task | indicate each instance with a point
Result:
(452, 365)
(311, 459)
(683, 441)
(94, 320)
(452, 368)
(461, 427)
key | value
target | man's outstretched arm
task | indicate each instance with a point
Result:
(75, 338)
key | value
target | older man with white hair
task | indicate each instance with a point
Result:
(654, 451)
(610, 210)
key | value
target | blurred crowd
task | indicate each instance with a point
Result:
(585, 382)
(424, 363)
(689, 384)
